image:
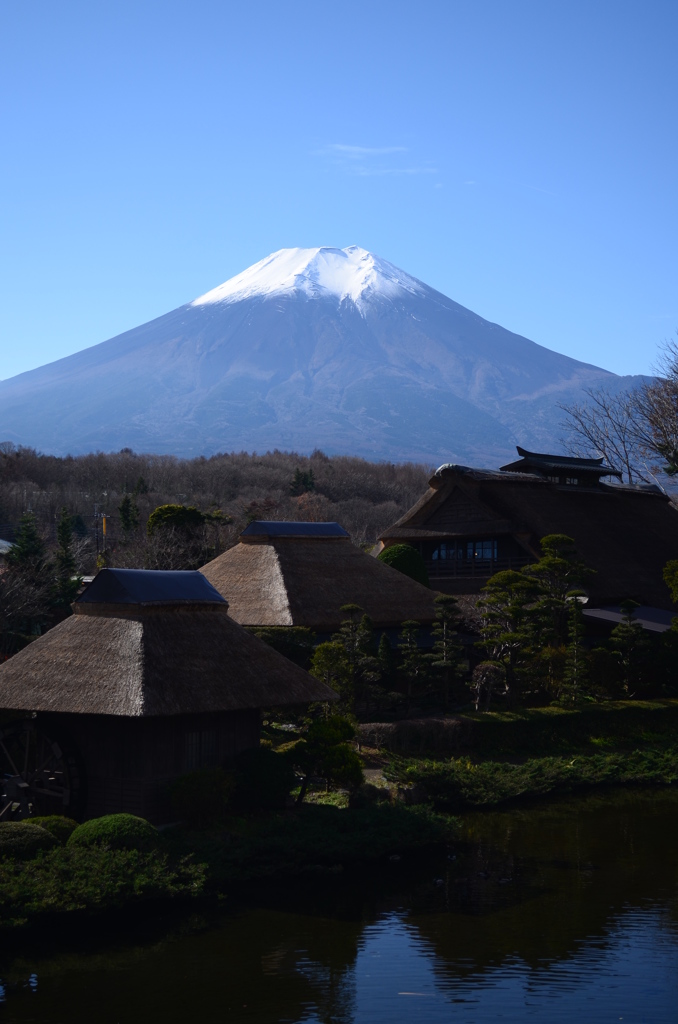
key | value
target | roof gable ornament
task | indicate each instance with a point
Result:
(560, 468)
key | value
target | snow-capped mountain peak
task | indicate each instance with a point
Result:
(343, 273)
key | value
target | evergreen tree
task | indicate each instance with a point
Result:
(508, 625)
(632, 647)
(357, 638)
(558, 572)
(576, 667)
(413, 663)
(302, 483)
(330, 664)
(386, 660)
(447, 651)
(66, 580)
(129, 515)
(28, 548)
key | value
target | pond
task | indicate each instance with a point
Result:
(566, 912)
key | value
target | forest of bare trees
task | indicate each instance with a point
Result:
(231, 489)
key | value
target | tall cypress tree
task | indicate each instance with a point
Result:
(66, 580)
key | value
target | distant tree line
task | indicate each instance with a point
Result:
(112, 500)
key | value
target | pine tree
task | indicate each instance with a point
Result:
(631, 645)
(386, 660)
(413, 665)
(576, 668)
(28, 548)
(447, 651)
(509, 627)
(129, 515)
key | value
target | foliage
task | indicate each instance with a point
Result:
(407, 560)
(128, 511)
(60, 826)
(316, 838)
(632, 645)
(460, 782)
(92, 878)
(576, 663)
(671, 578)
(28, 548)
(557, 573)
(330, 664)
(264, 779)
(414, 668)
(116, 832)
(324, 751)
(488, 677)
(294, 642)
(23, 840)
(508, 627)
(203, 796)
(178, 517)
(303, 482)
(447, 652)
(66, 580)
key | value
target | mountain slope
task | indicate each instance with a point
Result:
(328, 348)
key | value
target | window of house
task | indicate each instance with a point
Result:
(481, 550)
(447, 551)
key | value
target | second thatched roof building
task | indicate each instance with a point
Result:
(300, 574)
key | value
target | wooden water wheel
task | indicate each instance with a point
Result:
(38, 775)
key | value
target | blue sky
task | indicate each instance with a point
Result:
(519, 156)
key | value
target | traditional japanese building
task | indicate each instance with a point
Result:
(148, 680)
(300, 574)
(472, 523)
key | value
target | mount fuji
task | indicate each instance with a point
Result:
(309, 348)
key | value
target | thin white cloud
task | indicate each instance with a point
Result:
(358, 152)
(372, 161)
(367, 172)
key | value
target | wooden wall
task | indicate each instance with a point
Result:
(127, 764)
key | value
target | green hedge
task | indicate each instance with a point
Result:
(60, 827)
(116, 832)
(460, 783)
(407, 560)
(23, 840)
(91, 878)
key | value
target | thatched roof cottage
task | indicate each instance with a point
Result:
(300, 574)
(148, 680)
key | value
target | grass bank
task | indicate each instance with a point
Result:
(548, 751)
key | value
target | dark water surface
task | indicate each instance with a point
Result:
(560, 913)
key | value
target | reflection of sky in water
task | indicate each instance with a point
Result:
(631, 976)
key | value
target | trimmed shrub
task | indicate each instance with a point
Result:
(116, 832)
(202, 797)
(263, 780)
(406, 560)
(60, 827)
(22, 840)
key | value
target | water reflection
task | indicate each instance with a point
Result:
(559, 913)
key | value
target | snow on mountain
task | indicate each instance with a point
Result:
(309, 348)
(342, 273)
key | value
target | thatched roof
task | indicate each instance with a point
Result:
(166, 655)
(627, 534)
(303, 579)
